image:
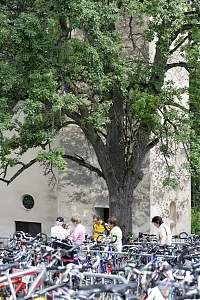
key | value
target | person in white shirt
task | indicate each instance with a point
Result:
(165, 236)
(115, 233)
(58, 231)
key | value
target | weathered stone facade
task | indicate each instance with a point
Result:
(173, 204)
(81, 191)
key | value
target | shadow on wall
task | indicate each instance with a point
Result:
(80, 184)
(74, 142)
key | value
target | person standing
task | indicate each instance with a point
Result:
(164, 232)
(58, 231)
(100, 229)
(78, 231)
(115, 233)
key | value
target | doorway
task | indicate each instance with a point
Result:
(102, 212)
(31, 228)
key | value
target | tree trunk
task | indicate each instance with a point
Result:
(120, 203)
(122, 174)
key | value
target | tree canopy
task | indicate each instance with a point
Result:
(87, 62)
(193, 57)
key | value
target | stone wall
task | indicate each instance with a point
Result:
(174, 205)
(79, 189)
(82, 191)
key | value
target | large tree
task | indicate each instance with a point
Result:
(194, 59)
(87, 62)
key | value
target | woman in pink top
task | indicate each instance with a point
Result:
(78, 234)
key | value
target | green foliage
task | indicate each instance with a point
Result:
(99, 119)
(170, 182)
(144, 107)
(195, 221)
(77, 59)
(193, 58)
(53, 157)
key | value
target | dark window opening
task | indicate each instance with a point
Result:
(102, 212)
(31, 228)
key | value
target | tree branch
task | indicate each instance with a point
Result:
(23, 168)
(158, 68)
(67, 123)
(180, 64)
(4, 173)
(180, 43)
(184, 28)
(75, 116)
(152, 144)
(80, 160)
(175, 104)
